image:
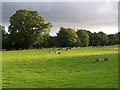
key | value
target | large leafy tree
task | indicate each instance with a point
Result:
(94, 39)
(67, 37)
(103, 38)
(53, 42)
(113, 39)
(28, 28)
(99, 39)
(84, 37)
(90, 38)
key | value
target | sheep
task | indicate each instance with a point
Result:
(106, 59)
(59, 49)
(59, 52)
(55, 51)
(97, 59)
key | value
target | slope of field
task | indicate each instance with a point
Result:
(75, 68)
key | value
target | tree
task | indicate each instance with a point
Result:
(90, 38)
(53, 42)
(118, 34)
(67, 37)
(84, 37)
(103, 39)
(99, 39)
(113, 39)
(27, 28)
(94, 39)
(6, 43)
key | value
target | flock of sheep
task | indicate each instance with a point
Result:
(59, 52)
(105, 59)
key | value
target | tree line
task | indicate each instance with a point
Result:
(28, 30)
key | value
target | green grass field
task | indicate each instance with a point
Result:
(75, 68)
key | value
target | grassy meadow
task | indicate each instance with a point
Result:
(75, 68)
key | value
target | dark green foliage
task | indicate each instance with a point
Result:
(0, 37)
(94, 39)
(6, 42)
(98, 39)
(90, 38)
(84, 37)
(53, 42)
(103, 39)
(67, 37)
(28, 28)
(118, 34)
(113, 39)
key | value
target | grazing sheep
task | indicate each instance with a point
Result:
(58, 48)
(59, 52)
(55, 51)
(106, 59)
(97, 59)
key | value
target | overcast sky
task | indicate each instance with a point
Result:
(93, 16)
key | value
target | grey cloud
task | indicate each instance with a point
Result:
(68, 14)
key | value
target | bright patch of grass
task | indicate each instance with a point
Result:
(71, 69)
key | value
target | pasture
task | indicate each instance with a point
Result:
(75, 68)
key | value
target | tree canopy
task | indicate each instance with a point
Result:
(113, 39)
(84, 37)
(67, 37)
(103, 38)
(28, 28)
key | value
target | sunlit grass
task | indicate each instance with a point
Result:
(72, 68)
